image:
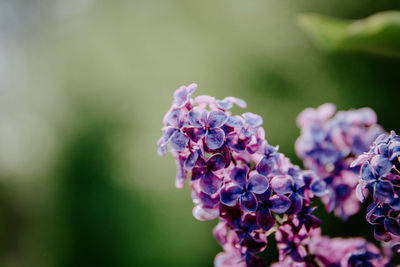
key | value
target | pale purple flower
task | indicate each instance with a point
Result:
(182, 95)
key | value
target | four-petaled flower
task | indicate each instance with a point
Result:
(209, 182)
(172, 132)
(244, 189)
(267, 203)
(208, 125)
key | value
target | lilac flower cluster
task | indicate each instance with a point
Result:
(329, 143)
(380, 177)
(236, 175)
(318, 250)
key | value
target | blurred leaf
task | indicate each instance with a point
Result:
(376, 34)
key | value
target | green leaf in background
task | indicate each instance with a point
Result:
(376, 34)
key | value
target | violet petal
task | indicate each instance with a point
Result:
(252, 119)
(248, 202)
(173, 118)
(179, 141)
(191, 160)
(230, 194)
(197, 117)
(265, 166)
(234, 121)
(224, 104)
(297, 203)
(258, 184)
(381, 165)
(216, 162)
(280, 204)
(366, 172)
(197, 173)
(394, 150)
(392, 226)
(265, 219)
(383, 191)
(282, 184)
(215, 138)
(208, 201)
(318, 187)
(239, 175)
(216, 118)
(195, 133)
(210, 183)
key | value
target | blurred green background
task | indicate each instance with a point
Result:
(84, 85)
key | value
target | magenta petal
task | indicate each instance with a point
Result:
(248, 202)
(258, 184)
(239, 175)
(230, 194)
(280, 204)
(215, 138)
(216, 162)
(179, 141)
(195, 133)
(210, 183)
(197, 117)
(282, 184)
(216, 118)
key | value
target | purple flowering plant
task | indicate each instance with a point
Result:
(255, 191)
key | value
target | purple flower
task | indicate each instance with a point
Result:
(238, 177)
(227, 103)
(209, 182)
(208, 125)
(372, 172)
(285, 184)
(244, 189)
(270, 203)
(328, 144)
(172, 132)
(384, 220)
(182, 95)
(380, 177)
(269, 161)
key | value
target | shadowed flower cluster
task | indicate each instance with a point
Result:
(328, 144)
(380, 178)
(317, 250)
